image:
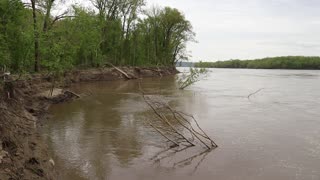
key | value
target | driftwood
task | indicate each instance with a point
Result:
(126, 75)
(158, 70)
(73, 93)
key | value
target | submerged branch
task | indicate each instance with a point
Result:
(122, 72)
(73, 93)
(174, 128)
(185, 161)
(256, 92)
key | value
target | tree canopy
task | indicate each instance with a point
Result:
(121, 32)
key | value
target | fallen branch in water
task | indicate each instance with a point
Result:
(122, 72)
(256, 92)
(199, 163)
(73, 93)
(173, 124)
(174, 152)
(160, 132)
(181, 131)
(165, 120)
(187, 161)
(158, 70)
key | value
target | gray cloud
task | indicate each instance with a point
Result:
(251, 28)
(306, 45)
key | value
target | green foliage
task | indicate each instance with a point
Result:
(15, 35)
(288, 62)
(194, 75)
(164, 34)
(88, 38)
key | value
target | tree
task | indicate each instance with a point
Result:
(36, 37)
(15, 35)
(119, 32)
(167, 32)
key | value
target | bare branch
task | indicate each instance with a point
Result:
(61, 16)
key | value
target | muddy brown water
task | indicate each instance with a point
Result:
(273, 135)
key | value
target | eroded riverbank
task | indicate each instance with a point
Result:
(23, 154)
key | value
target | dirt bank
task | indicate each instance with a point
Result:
(23, 103)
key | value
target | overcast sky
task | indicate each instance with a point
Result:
(246, 29)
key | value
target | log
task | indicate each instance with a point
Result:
(122, 72)
(77, 95)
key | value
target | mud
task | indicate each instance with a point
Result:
(23, 107)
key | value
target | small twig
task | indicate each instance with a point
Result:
(161, 152)
(199, 163)
(191, 158)
(173, 153)
(256, 92)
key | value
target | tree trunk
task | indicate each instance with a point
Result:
(47, 17)
(36, 37)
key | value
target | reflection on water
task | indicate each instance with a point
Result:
(273, 135)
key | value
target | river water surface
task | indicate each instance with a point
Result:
(273, 135)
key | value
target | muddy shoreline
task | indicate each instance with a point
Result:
(23, 154)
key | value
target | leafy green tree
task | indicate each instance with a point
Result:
(15, 35)
(165, 32)
(118, 32)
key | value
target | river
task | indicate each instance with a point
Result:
(274, 134)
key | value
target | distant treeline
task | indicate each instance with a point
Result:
(288, 62)
(121, 32)
(184, 64)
